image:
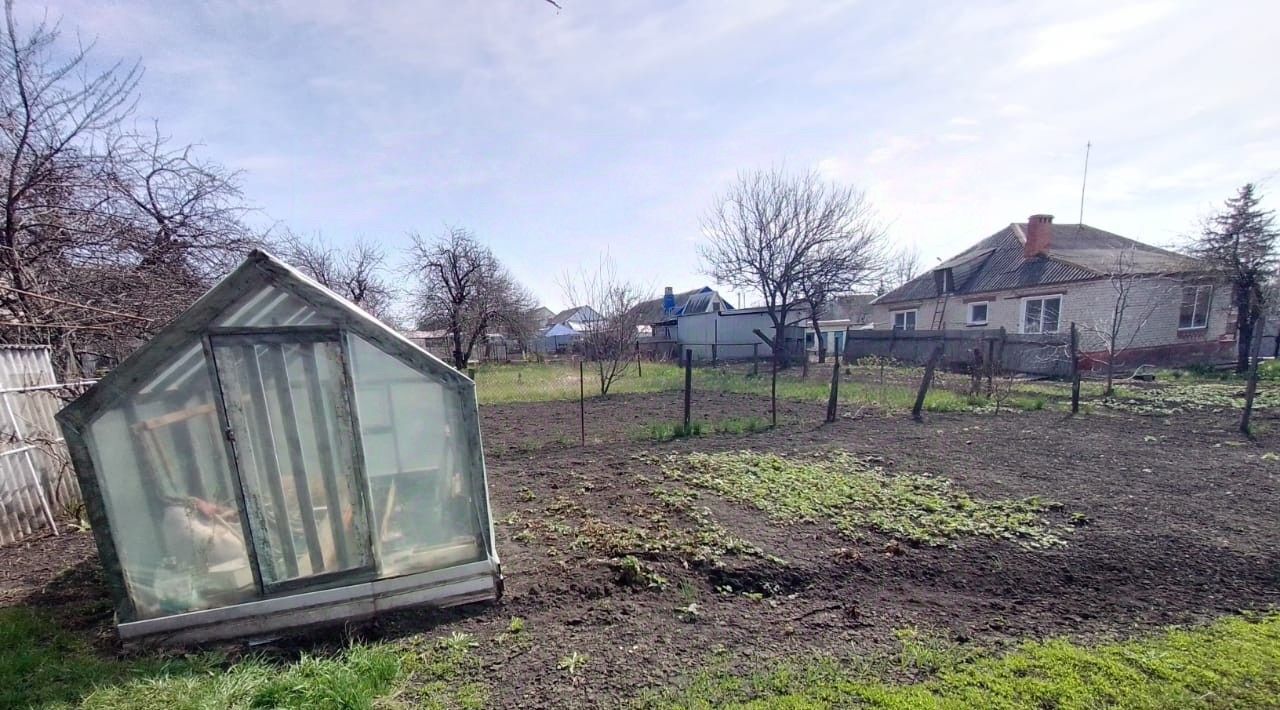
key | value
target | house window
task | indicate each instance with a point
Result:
(1040, 314)
(904, 320)
(942, 278)
(1195, 307)
(978, 313)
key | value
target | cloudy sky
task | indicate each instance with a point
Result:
(558, 135)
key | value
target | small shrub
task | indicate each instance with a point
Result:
(634, 573)
(573, 663)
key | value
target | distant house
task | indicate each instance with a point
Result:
(577, 314)
(436, 342)
(660, 317)
(848, 312)
(731, 334)
(542, 316)
(1039, 277)
(565, 329)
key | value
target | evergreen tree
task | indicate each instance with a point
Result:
(1241, 241)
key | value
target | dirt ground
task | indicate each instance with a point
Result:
(1169, 520)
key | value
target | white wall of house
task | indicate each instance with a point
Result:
(1155, 308)
(731, 331)
(832, 333)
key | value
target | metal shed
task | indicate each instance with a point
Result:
(275, 457)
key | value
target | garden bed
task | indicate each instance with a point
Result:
(628, 566)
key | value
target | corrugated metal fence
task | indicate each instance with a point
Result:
(37, 485)
(1032, 354)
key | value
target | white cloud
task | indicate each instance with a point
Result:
(545, 130)
(1077, 40)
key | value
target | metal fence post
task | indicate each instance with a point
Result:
(755, 359)
(688, 386)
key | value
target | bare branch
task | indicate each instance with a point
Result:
(790, 238)
(608, 340)
(463, 290)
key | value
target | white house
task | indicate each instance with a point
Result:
(1039, 277)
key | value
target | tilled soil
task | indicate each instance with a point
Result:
(1168, 521)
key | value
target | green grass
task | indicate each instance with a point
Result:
(1234, 663)
(540, 382)
(1191, 396)
(667, 431)
(856, 496)
(498, 384)
(42, 665)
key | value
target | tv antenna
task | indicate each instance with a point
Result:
(1085, 180)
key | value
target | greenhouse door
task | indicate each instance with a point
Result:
(288, 406)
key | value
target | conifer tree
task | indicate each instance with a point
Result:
(1241, 241)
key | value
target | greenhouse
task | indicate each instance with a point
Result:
(277, 458)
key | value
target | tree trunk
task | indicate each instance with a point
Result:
(780, 355)
(822, 343)
(1111, 375)
(1244, 331)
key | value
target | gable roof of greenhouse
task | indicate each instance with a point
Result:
(233, 295)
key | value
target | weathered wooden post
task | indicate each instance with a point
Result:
(1075, 369)
(773, 387)
(755, 359)
(835, 391)
(639, 369)
(925, 381)
(582, 401)
(1251, 387)
(688, 387)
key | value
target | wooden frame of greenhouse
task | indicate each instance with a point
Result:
(277, 458)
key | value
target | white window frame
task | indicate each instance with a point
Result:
(1195, 298)
(1022, 313)
(968, 313)
(915, 318)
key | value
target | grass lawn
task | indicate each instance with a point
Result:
(498, 384)
(1234, 663)
(43, 666)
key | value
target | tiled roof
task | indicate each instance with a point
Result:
(1076, 252)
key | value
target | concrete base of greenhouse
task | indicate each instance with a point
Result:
(259, 620)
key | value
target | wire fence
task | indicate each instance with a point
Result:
(575, 402)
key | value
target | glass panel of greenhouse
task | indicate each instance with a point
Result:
(276, 458)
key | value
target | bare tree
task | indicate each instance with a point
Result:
(104, 236)
(841, 271)
(463, 289)
(609, 340)
(1133, 298)
(1241, 240)
(51, 110)
(776, 234)
(903, 265)
(358, 272)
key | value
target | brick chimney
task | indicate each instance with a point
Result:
(1039, 234)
